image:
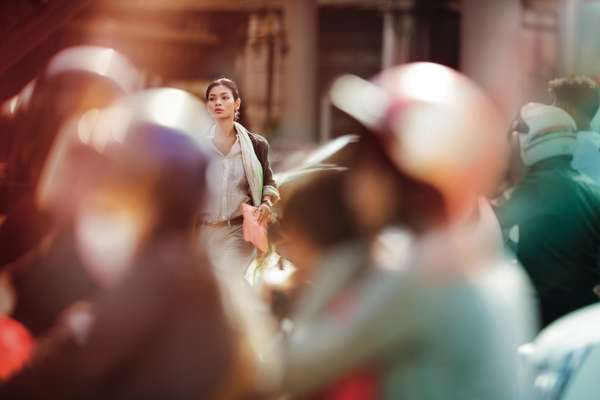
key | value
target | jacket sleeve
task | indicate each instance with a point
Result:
(261, 147)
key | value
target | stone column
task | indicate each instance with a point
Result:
(300, 86)
(261, 68)
(569, 10)
(397, 34)
(490, 50)
(388, 47)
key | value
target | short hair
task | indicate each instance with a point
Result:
(577, 91)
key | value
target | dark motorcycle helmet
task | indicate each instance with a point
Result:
(129, 173)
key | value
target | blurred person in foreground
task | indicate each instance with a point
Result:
(440, 313)
(76, 80)
(551, 219)
(38, 235)
(579, 96)
(158, 329)
(329, 243)
(240, 175)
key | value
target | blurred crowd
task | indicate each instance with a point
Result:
(411, 262)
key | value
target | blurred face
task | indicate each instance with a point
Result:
(371, 197)
(221, 104)
(110, 228)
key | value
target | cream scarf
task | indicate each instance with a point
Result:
(252, 166)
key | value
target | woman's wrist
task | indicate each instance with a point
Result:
(267, 202)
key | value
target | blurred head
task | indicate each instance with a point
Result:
(315, 217)
(435, 125)
(544, 132)
(75, 80)
(223, 99)
(578, 96)
(380, 194)
(129, 174)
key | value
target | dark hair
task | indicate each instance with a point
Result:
(231, 85)
(228, 83)
(421, 205)
(578, 95)
(317, 207)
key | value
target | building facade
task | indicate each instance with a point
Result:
(286, 53)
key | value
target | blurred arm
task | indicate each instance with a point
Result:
(391, 312)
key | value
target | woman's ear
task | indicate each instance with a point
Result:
(238, 103)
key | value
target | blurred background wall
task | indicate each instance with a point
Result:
(285, 53)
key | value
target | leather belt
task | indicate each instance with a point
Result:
(228, 222)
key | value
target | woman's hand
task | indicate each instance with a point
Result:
(263, 213)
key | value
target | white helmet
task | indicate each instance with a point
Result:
(544, 132)
(438, 126)
(98, 62)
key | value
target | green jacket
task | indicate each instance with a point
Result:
(428, 334)
(552, 223)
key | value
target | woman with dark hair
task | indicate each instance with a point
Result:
(241, 174)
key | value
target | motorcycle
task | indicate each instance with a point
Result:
(562, 363)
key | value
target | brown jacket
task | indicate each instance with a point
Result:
(261, 149)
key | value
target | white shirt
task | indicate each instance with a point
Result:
(227, 184)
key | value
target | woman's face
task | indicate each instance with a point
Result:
(221, 104)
